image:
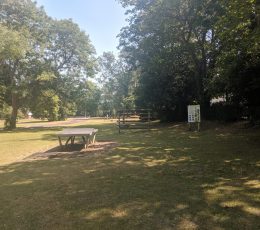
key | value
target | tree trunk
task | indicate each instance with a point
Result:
(257, 12)
(14, 111)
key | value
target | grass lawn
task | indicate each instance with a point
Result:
(166, 178)
(24, 141)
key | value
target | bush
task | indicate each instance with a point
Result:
(46, 106)
(5, 110)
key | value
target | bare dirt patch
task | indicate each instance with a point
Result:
(77, 150)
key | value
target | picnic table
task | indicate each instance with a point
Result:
(88, 135)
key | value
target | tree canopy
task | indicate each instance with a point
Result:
(172, 53)
(190, 51)
(42, 61)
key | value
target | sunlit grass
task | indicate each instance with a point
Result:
(165, 178)
(17, 145)
(30, 137)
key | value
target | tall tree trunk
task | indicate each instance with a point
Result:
(14, 111)
(257, 12)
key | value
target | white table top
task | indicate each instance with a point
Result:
(77, 132)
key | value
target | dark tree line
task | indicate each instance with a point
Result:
(190, 51)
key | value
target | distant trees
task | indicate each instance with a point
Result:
(117, 84)
(88, 99)
(188, 51)
(42, 61)
(68, 56)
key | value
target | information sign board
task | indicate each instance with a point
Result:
(193, 113)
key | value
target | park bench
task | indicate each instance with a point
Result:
(133, 119)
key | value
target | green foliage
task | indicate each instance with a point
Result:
(13, 44)
(2, 94)
(46, 77)
(22, 22)
(188, 51)
(236, 73)
(47, 106)
(117, 84)
(69, 55)
(166, 41)
(41, 59)
(173, 52)
(69, 50)
(5, 111)
(88, 103)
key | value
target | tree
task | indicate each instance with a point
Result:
(70, 56)
(236, 72)
(192, 50)
(88, 99)
(45, 102)
(21, 25)
(168, 41)
(47, 105)
(117, 83)
(39, 47)
(13, 45)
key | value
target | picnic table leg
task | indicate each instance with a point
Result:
(83, 138)
(60, 143)
(68, 141)
(94, 139)
(72, 140)
(86, 141)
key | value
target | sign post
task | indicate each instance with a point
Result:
(194, 115)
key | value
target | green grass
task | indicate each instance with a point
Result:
(168, 178)
(22, 142)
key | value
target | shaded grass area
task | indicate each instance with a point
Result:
(167, 178)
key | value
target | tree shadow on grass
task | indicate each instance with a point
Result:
(73, 151)
(144, 183)
(128, 190)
